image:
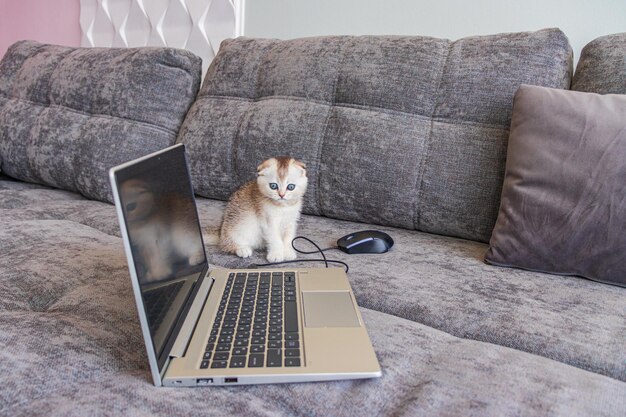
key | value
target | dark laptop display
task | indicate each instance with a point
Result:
(165, 239)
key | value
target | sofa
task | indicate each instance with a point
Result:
(407, 135)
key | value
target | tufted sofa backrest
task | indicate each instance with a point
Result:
(401, 131)
(67, 115)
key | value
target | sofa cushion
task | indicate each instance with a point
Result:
(67, 115)
(400, 131)
(438, 281)
(602, 66)
(563, 204)
(71, 343)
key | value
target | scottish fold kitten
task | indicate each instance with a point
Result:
(265, 212)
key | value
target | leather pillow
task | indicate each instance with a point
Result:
(563, 206)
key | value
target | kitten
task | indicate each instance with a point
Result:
(265, 212)
(159, 239)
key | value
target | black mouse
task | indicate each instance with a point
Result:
(366, 241)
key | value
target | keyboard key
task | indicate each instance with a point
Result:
(219, 364)
(291, 336)
(257, 348)
(240, 342)
(238, 362)
(225, 338)
(204, 364)
(292, 352)
(276, 329)
(209, 347)
(221, 356)
(256, 360)
(274, 357)
(243, 335)
(212, 339)
(290, 298)
(274, 336)
(291, 317)
(243, 351)
(207, 355)
(258, 340)
(257, 333)
(292, 344)
(222, 347)
(275, 344)
(292, 361)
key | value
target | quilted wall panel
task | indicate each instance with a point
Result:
(197, 25)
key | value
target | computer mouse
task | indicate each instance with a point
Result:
(366, 241)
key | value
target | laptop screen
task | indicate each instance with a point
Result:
(161, 220)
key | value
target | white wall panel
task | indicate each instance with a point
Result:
(581, 20)
(197, 25)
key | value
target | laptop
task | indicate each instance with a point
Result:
(212, 326)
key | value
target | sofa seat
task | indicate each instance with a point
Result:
(437, 281)
(70, 343)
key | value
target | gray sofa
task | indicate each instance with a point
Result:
(403, 134)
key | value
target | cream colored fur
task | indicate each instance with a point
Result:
(258, 216)
(160, 238)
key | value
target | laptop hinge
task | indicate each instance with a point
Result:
(186, 331)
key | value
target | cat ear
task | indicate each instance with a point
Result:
(260, 170)
(302, 167)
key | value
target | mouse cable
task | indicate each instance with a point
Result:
(319, 250)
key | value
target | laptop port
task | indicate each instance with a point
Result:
(204, 381)
(230, 380)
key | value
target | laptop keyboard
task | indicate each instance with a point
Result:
(159, 301)
(256, 323)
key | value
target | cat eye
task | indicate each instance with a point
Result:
(274, 186)
(290, 187)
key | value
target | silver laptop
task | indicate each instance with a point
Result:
(212, 326)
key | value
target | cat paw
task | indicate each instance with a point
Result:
(290, 254)
(275, 256)
(196, 258)
(244, 252)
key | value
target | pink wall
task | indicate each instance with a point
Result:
(50, 21)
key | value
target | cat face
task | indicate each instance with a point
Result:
(138, 199)
(282, 179)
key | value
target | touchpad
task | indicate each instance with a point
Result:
(329, 309)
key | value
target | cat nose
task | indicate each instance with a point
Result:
(282, 195)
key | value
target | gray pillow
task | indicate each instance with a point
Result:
(395, 130)
(69, 114)
(602, 66)
(563, 207)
